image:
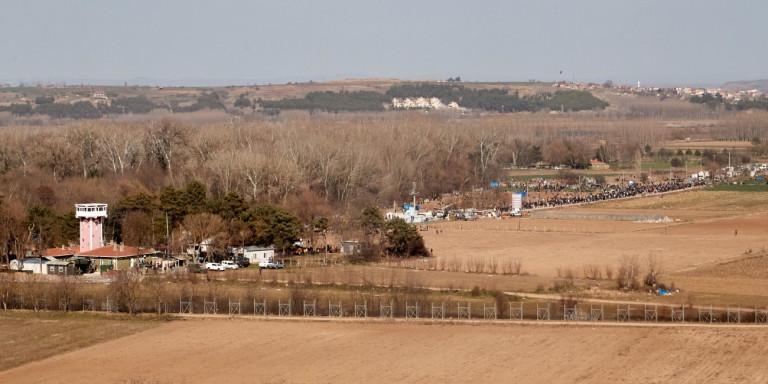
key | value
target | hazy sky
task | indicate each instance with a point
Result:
(250, 41)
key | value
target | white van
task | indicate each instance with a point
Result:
(229, 264)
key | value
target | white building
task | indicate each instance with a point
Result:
(50, 266)
(255, 254)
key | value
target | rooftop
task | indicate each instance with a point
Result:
(117, 251)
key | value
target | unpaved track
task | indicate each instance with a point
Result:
(276, 351)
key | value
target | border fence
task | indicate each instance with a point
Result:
(542, 311)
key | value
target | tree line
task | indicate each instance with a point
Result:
(498, 99)
(45, 105)
(348, 161)
(180, 218)
(328, 166)
(717, 100)
(332, 101)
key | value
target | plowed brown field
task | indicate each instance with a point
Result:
(253, 351)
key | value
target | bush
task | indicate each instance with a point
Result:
(570, 177)
(600, 179)
(629, 269)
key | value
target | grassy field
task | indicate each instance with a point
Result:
(703, 200)
(741, 188)
(29, 336)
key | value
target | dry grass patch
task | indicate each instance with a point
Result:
(752, 266)
(29, 336)
(693, 200)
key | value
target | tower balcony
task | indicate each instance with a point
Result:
(90, 210)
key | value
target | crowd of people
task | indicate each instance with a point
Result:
(556, 194)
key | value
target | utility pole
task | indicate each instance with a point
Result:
(413, 193)
(167, 236)
(579, 186)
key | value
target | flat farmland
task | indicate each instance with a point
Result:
(713, 249)
(695, 236)
(274, 351)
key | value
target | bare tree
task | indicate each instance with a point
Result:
(121, 148)
(54, 156)
(85, 142)
(126, 287)
(164, 141)
(655, 264)
(14, 234)
(487, 144)
(138, 229)
(629, 270)
(8, 286)
(254, 168)
(155, 286)
(65, 291)
(204, 227)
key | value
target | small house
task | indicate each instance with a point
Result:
(351, 247)
(117, 257)
(60, 267)
(255, 253)
(43, 265)
(598, 165)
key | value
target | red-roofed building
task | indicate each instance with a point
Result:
(117, 257)
(90, 254)
(63, 252)
(598, 165)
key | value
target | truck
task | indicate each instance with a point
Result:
(242, 262)
(229, 264)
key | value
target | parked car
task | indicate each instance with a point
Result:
(271, 264)
(195, 268)
(214, 267)
(243, 262)
(229, 264)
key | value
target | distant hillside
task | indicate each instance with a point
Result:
(760, 85)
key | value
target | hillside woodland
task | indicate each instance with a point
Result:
(313, 171)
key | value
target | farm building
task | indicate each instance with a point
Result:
(350, 247)
(50, 266)
(117, 257)
(598, 165)
(255, 254)
(63, 253)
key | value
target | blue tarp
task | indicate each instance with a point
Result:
(522, 193)
(494, 184)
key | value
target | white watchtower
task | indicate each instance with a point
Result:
(91, 223)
